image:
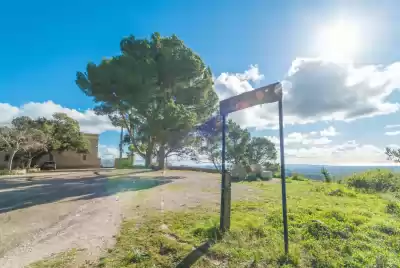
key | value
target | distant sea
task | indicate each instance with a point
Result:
(314, 171)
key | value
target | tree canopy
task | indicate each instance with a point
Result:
(393, 154)
(32, 138)
(157, 89)
(241, 148)
(18, 139)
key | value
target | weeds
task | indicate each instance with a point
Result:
(332, 227)
(393, 208)
(375, 181)
(326, 175)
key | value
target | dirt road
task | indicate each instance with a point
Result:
(45, 216)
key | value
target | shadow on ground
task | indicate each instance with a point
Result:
(214, 235)
(196, 254)
(23, 194)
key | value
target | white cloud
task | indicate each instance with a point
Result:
(346, 153)
(316, 148)
(392, 126)
(88, 120)
(392, 133)
(317, 90)
(393, 146)
(329, 132)
(297, 138)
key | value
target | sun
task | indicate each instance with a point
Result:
(338, 42)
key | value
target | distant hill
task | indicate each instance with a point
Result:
(309, 171)
(314, 171)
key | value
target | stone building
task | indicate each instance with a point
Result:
(68, 159)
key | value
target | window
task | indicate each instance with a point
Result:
(6, 158)
(84, 157)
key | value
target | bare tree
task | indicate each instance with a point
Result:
(14, 140)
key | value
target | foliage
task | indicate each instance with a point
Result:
(393, 154)
(237, 144)
(241, 148)
(272, 166)
(157, 89)
(123, 163)
(60, 260)
(252, 177)
(326, 175)
(298, 177)
(379, 180)
(6, 172)
(261, 151)
(324, 231)
(18, 138)
(393, 208)
(32, 138)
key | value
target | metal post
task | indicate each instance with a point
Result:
(283, 179)
(222, 222)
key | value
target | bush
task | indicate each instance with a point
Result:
(252, 177)
(375, 181)
(326, 175)
(123, 163)
(277, 175)
(342, 192)
(393, 208)
(12, 172)
(298, 177)
(4, 172)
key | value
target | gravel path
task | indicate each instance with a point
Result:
(43, 217)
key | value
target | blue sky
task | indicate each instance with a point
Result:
(44, 44)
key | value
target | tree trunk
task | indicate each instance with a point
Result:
(37, 157)
(161, 157)
(120, 143)
(10, 161)
(149, 154)
(29, 163)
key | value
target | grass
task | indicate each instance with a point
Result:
(379, 180)
(330, 225)
(64, 259)
(4, 172)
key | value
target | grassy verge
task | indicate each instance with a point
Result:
(64, 259)
(329, 226)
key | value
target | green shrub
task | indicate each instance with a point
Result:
(277, 175)
(342, 192)
(123, 163)
(326, 175)
(8, 172)
(378, 180)
(393, 208)
(298, 177)
(4, 172)
(252, 177)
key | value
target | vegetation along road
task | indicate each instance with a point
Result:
(41, 217)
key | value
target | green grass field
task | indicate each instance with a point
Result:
(329, 226)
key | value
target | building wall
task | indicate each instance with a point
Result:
(70, 159)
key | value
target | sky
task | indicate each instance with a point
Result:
(339, 63)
